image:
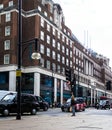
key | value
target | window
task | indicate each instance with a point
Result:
(7, 45)
(58, 68)
(67, 42)
(58, 46)
(82, 64)
(10, 3)
(74, 59)
(51, 9)
(54, 67)
(7, 31)
(45, 13)
(68, 33)
(42, 49)
(77, 61)
(58, 57)
(42, 22)
(53, 55)
(64, 30)
(48, 64)
(8, 17)
(48, 52)
(1, 6)
(53, 43)
(76, 52)
(63, 38)
(71, 44)
(71, 54)
(67, 51)
(42, 62)
(48, 27)
(42, 35)
(63, 49)
(63, 70)
(67, 62)
(58, 35)
(63, 59)
(39, 8)
(71, 64)
(53, 31)
(48, 39)
(6, 59)
(51, 19)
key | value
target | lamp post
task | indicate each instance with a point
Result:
(78, 82)
(52, 90)
(18, 73)
(35, 55)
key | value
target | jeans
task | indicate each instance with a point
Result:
(73, 110)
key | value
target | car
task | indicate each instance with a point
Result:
(80, 105)
(29, 104)
(103, 104)
(3, 93)
(43, 104)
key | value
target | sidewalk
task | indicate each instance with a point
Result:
(65, 122)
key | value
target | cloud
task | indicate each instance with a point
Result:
(93, 16)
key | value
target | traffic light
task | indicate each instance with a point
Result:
(108, 85)
(68, 74)
(73, 79)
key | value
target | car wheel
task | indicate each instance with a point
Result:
(6, 112)
(65, 109)
(33, 111)
(83, 109)
(62, 109)
(45, 108)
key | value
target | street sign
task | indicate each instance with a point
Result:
(18, 73)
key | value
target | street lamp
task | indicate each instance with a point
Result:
(35, 55)
(18, 73)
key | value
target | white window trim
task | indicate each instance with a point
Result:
(6, 59)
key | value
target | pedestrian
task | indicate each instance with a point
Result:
(73, 103)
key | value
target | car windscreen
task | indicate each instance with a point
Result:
(68, 101)
(8, 97)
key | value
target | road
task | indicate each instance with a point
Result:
(88, 111)
(54, 119)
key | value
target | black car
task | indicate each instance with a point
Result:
(43, 104)
(8, 104)
(4, 92)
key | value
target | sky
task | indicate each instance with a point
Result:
(91, 22)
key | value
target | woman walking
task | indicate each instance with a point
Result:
(73, 105)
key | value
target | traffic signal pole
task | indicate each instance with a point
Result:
(70, 77)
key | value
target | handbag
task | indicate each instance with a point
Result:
(70, 109)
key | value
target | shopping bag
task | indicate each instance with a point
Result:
(70, 109)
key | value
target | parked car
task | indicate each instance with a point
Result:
(80, 105)
(8, 104)
(43, 104)
(3, 93)
(103, 104)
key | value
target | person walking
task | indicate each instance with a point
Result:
(73, 105)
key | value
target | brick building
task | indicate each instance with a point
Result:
(59, 49)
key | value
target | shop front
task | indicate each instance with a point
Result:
(4, 80)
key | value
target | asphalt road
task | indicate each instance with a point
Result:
(54, 119)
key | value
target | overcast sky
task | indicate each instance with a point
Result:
(91, 23)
